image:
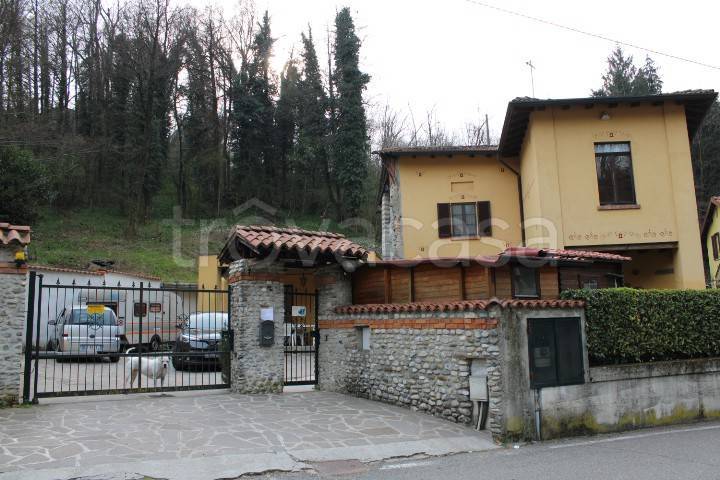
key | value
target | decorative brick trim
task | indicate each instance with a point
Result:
(10, 269)
(416, 323)
(258, 277)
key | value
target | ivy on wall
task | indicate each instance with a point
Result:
(625, 325)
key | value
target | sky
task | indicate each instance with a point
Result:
(463, 60)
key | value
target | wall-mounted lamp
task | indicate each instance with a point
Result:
(604, 116)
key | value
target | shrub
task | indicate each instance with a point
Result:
(23, 186)
(627, 325)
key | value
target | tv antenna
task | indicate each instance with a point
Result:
(532, 78)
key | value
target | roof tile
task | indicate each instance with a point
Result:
(14, 233)
(261, 239)
(457, 306)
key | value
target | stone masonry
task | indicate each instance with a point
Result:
(13, 298)
(419, 365)
(255, 369)
(391, 221)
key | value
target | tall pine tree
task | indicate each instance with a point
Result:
(350, 145)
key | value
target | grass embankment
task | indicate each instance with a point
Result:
(162, 247)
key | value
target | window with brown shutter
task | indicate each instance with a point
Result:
(443, 210)
(463, 220)
(484, 219)
(716, 245)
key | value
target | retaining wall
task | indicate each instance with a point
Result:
(624, 397)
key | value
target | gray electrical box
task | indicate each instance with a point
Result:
(478, 381)
(267, 333)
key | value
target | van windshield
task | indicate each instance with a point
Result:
(208, 323)
(81, 317)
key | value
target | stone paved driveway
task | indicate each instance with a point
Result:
(214, 435)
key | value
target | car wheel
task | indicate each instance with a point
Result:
(114, 358)
(58, 350)
(155, 344)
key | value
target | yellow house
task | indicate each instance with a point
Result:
(210, 277)
(601, 173)
(711, 240)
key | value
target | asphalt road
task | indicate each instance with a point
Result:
(683, 452)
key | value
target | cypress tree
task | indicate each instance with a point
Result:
(311, 153)
(350, 145)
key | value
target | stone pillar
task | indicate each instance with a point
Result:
(255, 369)
(13, 299)
(334, 290)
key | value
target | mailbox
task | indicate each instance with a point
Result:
(267, 333)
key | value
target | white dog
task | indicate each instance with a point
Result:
(152, 367)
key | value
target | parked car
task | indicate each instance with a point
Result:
(199, 339)
(87, 330)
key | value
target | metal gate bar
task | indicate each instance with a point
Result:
(95, 339)
(301, 337)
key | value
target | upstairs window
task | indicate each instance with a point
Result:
(614, 173)
(461, 220)
(715, 239)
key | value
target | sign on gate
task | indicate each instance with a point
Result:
(299, 310)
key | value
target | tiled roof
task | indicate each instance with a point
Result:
(457, 306)
(261, 241)
(507, 254)
(14, 233)
(438, 150)
(567, 255)
(517, 116)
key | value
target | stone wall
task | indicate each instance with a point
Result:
(420, 360)
(255, 369)
(391, 220)
(623, 397)
(13, 299)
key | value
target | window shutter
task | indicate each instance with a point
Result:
(483, 213)
(444, 230)
(715, 246)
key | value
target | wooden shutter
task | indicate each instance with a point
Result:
(444, 230)
(483, 213)
(715, 246)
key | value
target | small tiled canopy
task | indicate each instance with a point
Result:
(260, 241)
(18, 234)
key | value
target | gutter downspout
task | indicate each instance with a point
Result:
(520, 197)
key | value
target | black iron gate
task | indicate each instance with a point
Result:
(86, 339)
(301, 337)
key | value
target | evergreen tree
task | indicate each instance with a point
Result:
(253, 112)
(706, 159)
(619, 77)
(311, 152)
(623, 78)
(286, 115)
(350, 145)
(648, 81)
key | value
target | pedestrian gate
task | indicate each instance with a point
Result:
(84, 339)
(301, 337)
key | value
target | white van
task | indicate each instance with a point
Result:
(152, 321)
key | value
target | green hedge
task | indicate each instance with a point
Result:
(625, 325)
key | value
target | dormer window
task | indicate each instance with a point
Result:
(616, 184)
